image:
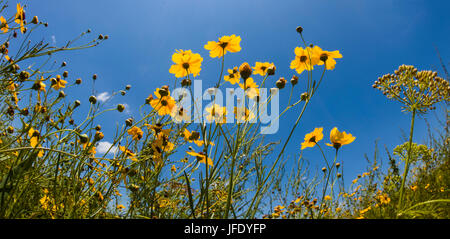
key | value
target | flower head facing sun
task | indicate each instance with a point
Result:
(224, 45)
(261, 68)
(3, 24)
(327, 57)
(186, 63)
(339, 139)
(20, 17)
(201, 157)
(136, 132)
(233, 76)
(312, 138)
(305, 59)
(164, 104)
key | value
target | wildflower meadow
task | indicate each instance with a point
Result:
(222, 136)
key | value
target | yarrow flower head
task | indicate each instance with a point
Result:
(186, 63)
(339, 139)
(312, 138)
(224, 45)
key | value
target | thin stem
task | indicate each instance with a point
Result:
(405, 173)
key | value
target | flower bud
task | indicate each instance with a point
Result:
(271, 70)
(61, 94)
(98, 136)
(24, 75)
(281, 83)
(93, 99)
(304, 96)
(294, 80)
(245, 71)
(120, 107)
(78, 81)
(77, 103)
(10, 129)
(35, 20)
(63, 64)
(84, 138)
(299, 29)
(129, 122)
(127, 87)
(186, 82)
(65, 74)
(94, 77)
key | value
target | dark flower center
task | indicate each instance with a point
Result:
(186, 66)
(303, 58)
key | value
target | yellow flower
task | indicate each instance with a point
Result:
(233, 76)
(20, 17)
(384, 199)
(59, 83)
(3, 24)
(161, 144)
(414, 188)
(186, 63)
(224, 45)
(193, 136)
(243, 114)
(34, 140)
(201, 157)
(305, 59)
(339, 139)
(39, 85)
(164, 103)
(261, 68)
(120, 207)
(250, 87)
(173, 169)
(327, 56)
(216, 113)
(136, 132)
(312, 138)
(327, 198)
(128, 153)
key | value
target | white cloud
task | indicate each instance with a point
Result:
(102, 97)
(104, 146)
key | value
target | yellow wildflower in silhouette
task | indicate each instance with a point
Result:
(186, 63)
(327, 57)
(384, 199)
(120, 207)
(3, 24)
(128, 153)
(136, 132)
(58, 83)
(164, 104)
(414, 188)
(20, 17)
(216, 113)
(224, 45)
(201, 157)
(261, 68)
(339, 139)
(34, 140)
(39, 85)
(233, 76)
(305, 59)
(193, 136)
(312, 138)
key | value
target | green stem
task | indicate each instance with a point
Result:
(405, 173)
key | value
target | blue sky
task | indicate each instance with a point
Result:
(374, 37)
